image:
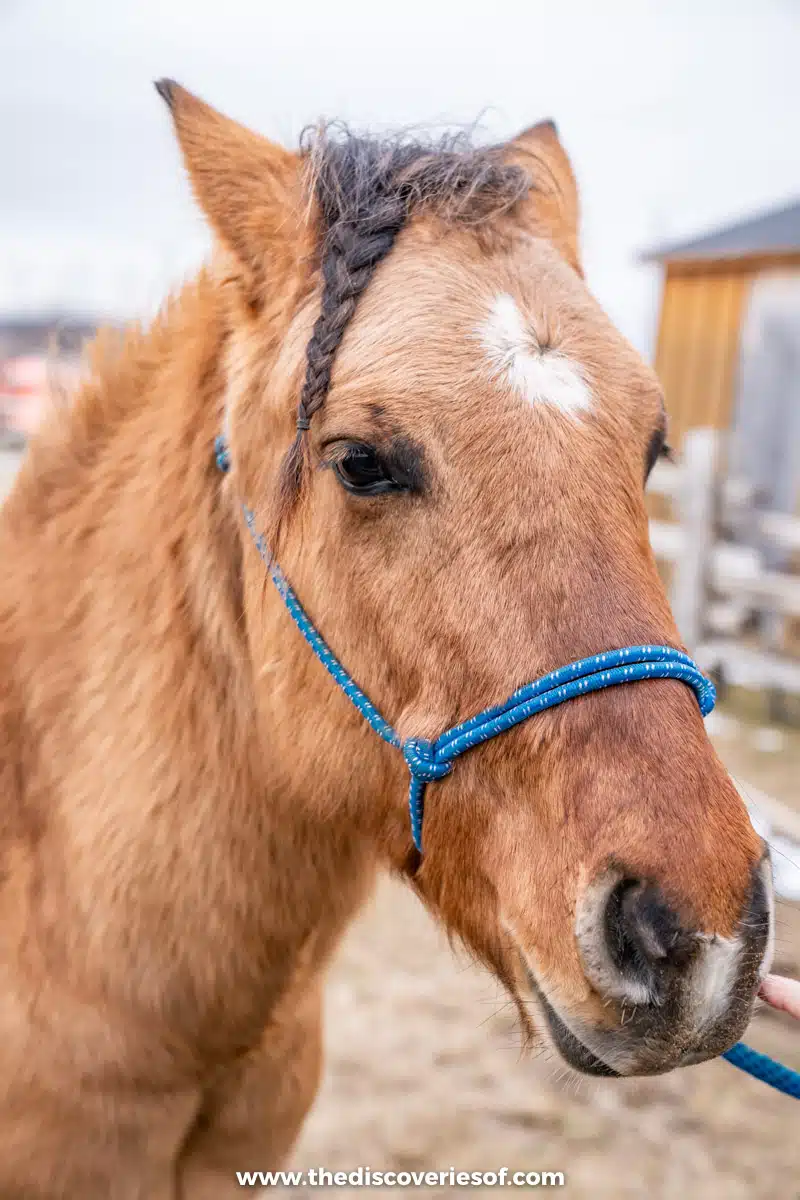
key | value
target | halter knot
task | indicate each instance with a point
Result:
(222, 454)
(420, 755)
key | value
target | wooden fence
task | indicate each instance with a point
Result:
(730, 601)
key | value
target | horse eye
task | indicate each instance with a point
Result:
(362, 473)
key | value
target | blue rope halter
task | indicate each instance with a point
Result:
(428, 761)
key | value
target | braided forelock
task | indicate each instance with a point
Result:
(365, 190)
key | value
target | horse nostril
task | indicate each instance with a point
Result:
(643, 934)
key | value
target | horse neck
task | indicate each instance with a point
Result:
(114, 527)
(125, 624)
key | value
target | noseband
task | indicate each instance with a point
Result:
(428, 761)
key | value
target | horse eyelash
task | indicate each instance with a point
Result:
(337, 452)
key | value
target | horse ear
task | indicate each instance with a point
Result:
(551, 209)
(248, 187)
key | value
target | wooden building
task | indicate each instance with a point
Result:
(728, 349)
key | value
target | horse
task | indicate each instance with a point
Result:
(445, 443)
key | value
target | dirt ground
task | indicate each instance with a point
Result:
(424, 1069)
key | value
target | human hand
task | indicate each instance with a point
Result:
(783, 994)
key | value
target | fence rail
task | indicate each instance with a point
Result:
(730, 601)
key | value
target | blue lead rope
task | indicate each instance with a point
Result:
(762, 1067)
(431, 760)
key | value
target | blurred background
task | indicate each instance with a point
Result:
(682, 121)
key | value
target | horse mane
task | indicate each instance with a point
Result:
(366, 189)
(121, 369)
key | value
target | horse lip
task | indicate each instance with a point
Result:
(572, 1049)
(569, 1046)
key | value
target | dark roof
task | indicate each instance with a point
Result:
(769, 233)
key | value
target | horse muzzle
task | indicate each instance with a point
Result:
(660, 995)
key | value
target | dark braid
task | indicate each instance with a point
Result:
(365, 190)
(353, 249)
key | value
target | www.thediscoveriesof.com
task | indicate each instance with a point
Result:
(365, 1177)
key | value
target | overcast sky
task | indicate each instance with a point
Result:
(678, 115)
